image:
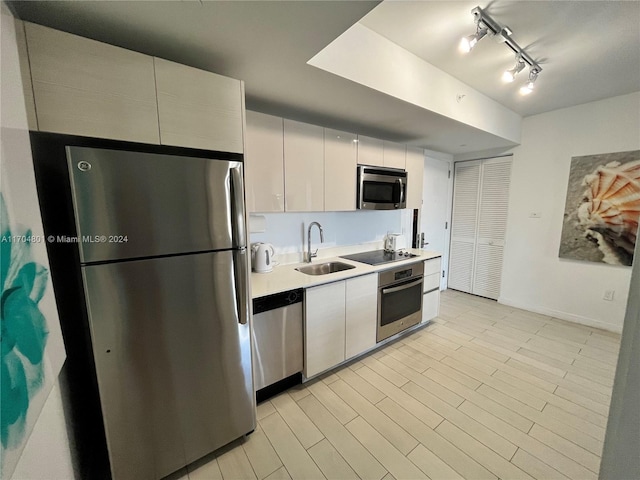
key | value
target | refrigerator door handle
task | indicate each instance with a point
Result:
(240, 270)
(237, 206)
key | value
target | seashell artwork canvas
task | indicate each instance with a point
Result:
(602, 209)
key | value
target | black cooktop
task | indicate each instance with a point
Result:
(377, 257)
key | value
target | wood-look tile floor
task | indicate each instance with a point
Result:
(486, 391)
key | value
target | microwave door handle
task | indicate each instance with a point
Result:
(404, 286)
(399, 180)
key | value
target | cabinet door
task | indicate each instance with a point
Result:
(88, 88)
(394, 155)
(492, 226)
(264, 163)
(324, 327)
(198, 109)
(25, 74)
(464, 225)
(361, 314)
(432, 266)
(479, 225)
(340, 170)
(415, 171)
(430, 305)
(303, 167)
(370, 151)
(431, 289)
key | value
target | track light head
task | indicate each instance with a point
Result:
(528, 87)
(510, 75)
(467, 43)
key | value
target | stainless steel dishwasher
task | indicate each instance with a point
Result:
(277, 337)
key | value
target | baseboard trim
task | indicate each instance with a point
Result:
(569, 317)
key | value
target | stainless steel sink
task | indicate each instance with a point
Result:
(325, 268)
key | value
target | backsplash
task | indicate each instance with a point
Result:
(287, 232)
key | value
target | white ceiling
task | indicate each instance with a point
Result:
(589, 50)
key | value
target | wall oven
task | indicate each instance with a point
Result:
(381, 188)
(399, 299)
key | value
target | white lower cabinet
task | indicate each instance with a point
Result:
(340, 322)
(430, 305)
(324, 309)
(361, 314)
(431, 289)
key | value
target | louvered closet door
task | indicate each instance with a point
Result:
(464, 225)
(492, 226)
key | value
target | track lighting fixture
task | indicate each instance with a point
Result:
(487, 25)
(527, 88)
(510, 75)
(467, 43)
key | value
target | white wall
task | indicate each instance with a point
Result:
(287, 232)
(47, 453)
(533, 276)
(620, 459)
(364, 56)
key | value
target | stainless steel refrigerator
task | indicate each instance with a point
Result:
(163, 258)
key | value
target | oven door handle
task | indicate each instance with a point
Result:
(402, 287)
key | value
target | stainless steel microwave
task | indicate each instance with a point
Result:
(381, 188)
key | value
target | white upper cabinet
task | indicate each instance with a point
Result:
(415, 171)
(303, 167)
(89, 88)
(370, 151)
(198, 109)
(264, 163)
(340, 170)
(25, 73)
(394, 155)
(381, 153)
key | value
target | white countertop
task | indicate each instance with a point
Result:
(286, 277)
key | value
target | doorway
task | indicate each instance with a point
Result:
(436, 201)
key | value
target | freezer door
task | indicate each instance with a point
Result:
(136, 205)
(173, 358)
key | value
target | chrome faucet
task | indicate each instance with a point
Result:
(314, 254)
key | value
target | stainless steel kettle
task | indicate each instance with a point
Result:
(262, 255)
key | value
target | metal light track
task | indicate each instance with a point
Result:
(482, 18)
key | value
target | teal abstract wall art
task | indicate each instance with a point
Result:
(23, 331)
(31, 345)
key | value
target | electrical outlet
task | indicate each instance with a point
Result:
(608, 295)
